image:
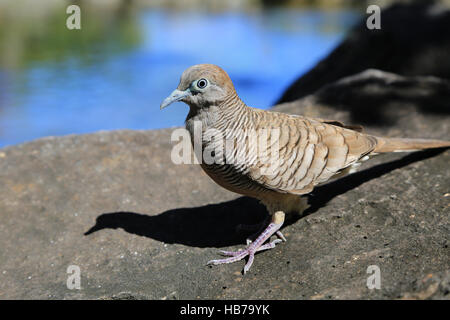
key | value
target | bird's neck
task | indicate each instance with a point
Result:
(215, 115)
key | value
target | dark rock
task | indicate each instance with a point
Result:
(413, 40)
(378, 98)
(141, 227)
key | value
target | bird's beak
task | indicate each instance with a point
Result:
(176, 95)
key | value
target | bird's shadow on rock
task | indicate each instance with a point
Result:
(212, 225)
(215, 225)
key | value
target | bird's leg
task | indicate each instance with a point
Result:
(253, 236)
(255, 228)
(259, 227)
(257, 245)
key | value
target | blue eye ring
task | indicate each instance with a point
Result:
(202, 83)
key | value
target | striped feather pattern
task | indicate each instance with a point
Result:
(309, 151)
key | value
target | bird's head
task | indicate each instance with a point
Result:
(201, 86)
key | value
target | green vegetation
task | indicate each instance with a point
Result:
(33, 33)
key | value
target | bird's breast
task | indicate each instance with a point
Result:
(226, 154)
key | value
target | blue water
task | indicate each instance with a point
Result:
(262, 52)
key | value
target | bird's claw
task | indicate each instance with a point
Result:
(242, 253)
(257, 245)
(280, 235)
(230, 253)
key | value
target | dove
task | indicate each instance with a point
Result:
(274, 157)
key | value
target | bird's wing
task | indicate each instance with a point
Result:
(338, 123)
(310, 151)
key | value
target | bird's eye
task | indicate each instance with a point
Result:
(202, 83)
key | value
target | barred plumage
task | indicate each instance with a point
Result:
(310, 151)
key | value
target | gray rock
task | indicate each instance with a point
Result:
(413, 41)
(432, 286)
(140, 227)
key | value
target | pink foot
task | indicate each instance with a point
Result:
(257, 245)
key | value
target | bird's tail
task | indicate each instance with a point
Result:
(405, 145)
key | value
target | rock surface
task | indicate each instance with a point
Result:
(140, 227)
